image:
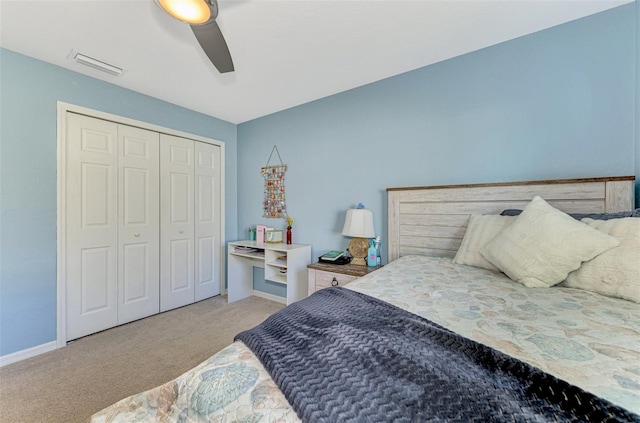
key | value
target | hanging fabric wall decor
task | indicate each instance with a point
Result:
(274, 199)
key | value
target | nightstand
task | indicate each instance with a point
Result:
(324, 275)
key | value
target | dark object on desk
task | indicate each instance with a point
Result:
(340, 260)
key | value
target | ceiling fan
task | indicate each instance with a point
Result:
(201, 16)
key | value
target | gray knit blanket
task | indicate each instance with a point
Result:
(342, 356)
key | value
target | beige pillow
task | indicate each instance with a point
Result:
(481, 230)
(615, 273)
(543, 245)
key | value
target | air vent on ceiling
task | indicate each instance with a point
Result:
(95, 63)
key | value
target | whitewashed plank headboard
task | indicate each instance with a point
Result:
(432, 220)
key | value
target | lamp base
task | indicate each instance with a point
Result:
(358, 249)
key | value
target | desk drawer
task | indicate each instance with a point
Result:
(319, 279)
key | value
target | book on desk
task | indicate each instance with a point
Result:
(332, 255)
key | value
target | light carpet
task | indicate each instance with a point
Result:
(70, 384)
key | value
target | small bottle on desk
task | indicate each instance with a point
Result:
(372, 258)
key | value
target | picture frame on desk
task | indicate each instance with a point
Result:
(261, 232)
(273, 236)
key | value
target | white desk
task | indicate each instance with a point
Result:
(282, 263)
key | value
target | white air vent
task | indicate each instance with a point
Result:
(95, 63)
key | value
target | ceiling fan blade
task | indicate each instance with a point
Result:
(212, 42)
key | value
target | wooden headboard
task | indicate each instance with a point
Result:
(432, 220)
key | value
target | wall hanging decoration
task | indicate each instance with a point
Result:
(274, 204)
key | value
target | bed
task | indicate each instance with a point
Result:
(564, 338)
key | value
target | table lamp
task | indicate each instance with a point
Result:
(359, 225)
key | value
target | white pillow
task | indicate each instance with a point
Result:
(481, 230)
(543, 245)
(615, 273)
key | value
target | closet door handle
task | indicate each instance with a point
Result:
(136, 235)
(181, 231)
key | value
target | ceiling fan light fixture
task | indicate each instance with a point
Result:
(190, 11)
(201, 16)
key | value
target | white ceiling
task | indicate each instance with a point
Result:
(286, 52)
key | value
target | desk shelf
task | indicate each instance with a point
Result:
(252, 256)
(282, 263)
(277, 266)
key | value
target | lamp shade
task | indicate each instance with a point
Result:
(359, 223)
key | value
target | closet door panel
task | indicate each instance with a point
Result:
(181, 261)
(177, 222)
(207, 220)
(91, 225)
(139, 223)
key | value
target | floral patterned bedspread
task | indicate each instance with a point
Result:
(231, 386)
(581, 337)
(584, 338)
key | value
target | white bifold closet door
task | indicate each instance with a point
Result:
(190, 221)
(112, 224)
(143, 223)
(208, 220)
(177, 227)
(139, 223)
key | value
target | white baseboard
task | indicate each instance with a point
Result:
(271, 297)
(28, 353)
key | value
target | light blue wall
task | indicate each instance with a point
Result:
(555, 104)
(30, 90)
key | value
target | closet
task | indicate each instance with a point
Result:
(143, 223)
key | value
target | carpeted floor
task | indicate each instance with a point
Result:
(71, 383)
